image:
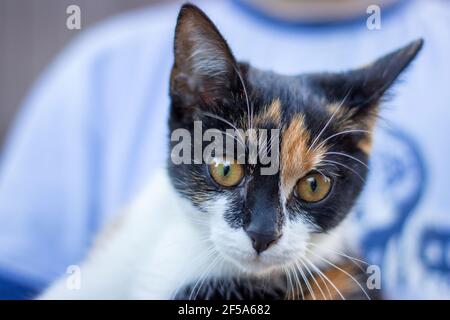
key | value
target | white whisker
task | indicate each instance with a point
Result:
(341, 133)
(289, 285)
(329, 121)
(354, 259)
(209, 252)
(235, 138)
(214, 116)
(306, 281)
(340, 269)
(299, 285)
(324, 276)
(202, 278)
(249, 107)
(348, 156)
(314, 279)
(347, 167)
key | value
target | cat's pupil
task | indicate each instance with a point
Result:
(226, 170)
(312, 184)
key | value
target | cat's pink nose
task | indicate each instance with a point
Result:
(262, 241)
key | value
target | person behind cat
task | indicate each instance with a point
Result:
(93, 129)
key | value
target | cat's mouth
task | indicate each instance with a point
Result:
(236, 248)
(253, 263)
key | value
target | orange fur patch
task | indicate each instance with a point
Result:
(272, 114)
(365, 145)
(344, 117)
(297, 158)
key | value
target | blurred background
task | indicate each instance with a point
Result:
(78, 156)
(32, 33)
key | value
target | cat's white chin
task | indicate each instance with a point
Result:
(235, 245)
(257, 264)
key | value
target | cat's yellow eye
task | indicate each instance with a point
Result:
(313, 187)
(226, 172)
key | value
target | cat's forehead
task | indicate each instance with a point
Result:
(299, 151)
(267, 87)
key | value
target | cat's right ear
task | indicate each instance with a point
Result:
(204, 67)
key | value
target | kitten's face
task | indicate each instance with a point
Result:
(320, 146)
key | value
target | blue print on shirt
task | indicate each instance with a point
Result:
(396, 185)
(434, 251)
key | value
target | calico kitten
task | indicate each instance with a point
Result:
(225, 230)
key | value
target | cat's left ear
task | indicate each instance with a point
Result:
(204, 66)
(362, 89)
